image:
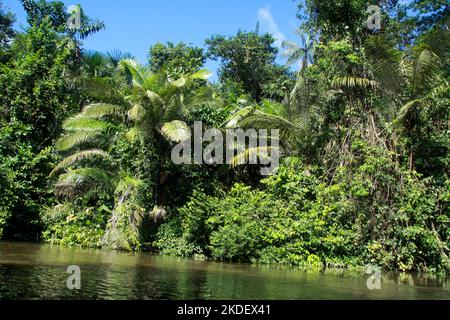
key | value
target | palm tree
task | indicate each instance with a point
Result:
(409, 80)
(303, 53)
(294, 117)
(95, 64)
(115, 56)
(158, 105)
(90, 169)
(266, 115)
(150, 115)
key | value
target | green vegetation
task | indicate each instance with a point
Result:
(86, 140)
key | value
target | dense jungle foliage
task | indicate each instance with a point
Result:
(86, 139)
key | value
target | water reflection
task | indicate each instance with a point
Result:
(29, 271)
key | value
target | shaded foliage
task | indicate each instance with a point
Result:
(363, 137)
(248, 62)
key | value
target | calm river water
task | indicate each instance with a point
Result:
(32, 271)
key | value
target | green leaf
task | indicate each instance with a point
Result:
(154, 97)
(176, 131)
(203, 74)
(99, 110)
(80, 123)
(132, 135)
(352, 82)
(86, 154)
(76, 138)
(179, 82)
(137, 113)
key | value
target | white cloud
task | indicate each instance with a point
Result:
(265, 16)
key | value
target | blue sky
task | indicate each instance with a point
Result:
(134, 25)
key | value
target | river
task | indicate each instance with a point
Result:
(33, 271)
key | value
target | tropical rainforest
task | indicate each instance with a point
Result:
(86, 139)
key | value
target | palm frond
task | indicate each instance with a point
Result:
(354, 82)
(155, 98)
(440, 91)
(115, 56)
(295, 56)
(253, 153)
(234, 119)
(137, 113)
(205, 95)
(406, 109)
(99, 110)
(80, 123)
(176, 131)
(82, 155)
(425, 69)
(261, 120)
(180, 82)
(203, 74)
(381, 49)
(76, 138)
(101, 90)
(290, 45)
(93, 27)
(273, 108)
(95, 64)
(386, 60)
(132, 134)
(303, 53)
(79, 181)
(138, 72)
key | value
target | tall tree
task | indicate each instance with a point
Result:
(431, 14)
(35, 99)
(415, 82)
(303, 53)
(154, 107)
(248, 60)
(33, 104)
(336, 20)
(176, 59)
(7, 32)
(55, 11)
